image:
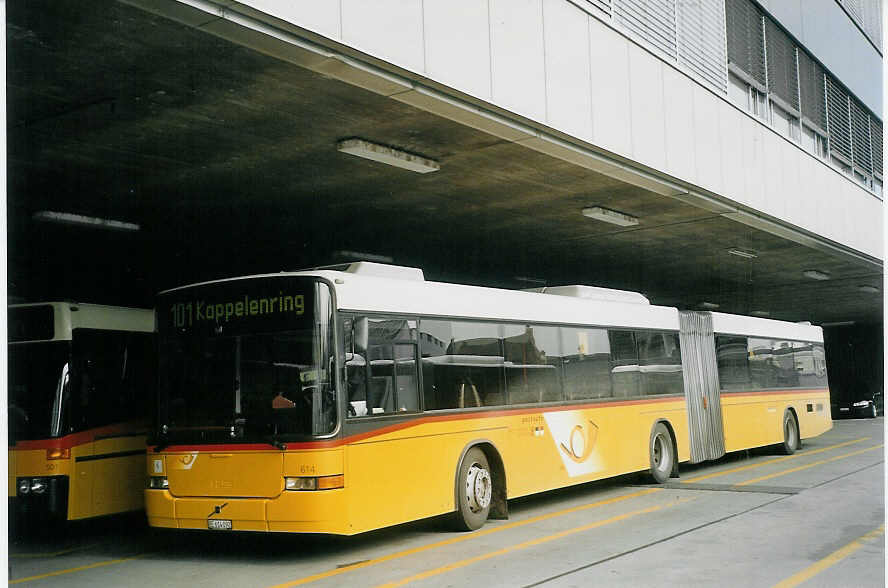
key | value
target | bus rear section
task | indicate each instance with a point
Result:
(81, 381)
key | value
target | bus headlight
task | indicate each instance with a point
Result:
(158, 483)
(24, 486)
(321, 483)
(38, 486)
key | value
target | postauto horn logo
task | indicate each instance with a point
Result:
(575, 440)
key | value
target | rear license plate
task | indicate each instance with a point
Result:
(219, 524)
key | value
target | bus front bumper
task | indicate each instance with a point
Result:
(46, 498)
(322, 511)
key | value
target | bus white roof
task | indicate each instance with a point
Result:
(73, 315)
(734, 324)
(370, 293)
(381, 288)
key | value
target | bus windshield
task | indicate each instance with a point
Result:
(246, 360)
(38, 374)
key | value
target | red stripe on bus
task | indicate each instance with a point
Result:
(792, 391)
(75, 439)
(332, 443)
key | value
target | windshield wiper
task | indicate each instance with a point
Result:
(164, 440)
(273, 441)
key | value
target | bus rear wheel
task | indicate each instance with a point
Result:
(790, 434)
(662, 454)
(474, 489)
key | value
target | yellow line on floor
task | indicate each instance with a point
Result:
(464, 537)
(771, 461)
(53, 554)
(806, 466)
(78, 569)
(831, 559)
(530, 543)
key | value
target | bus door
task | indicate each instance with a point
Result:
(701, 385)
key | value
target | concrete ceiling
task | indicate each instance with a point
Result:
(227, 160)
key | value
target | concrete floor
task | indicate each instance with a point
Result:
(747, 520)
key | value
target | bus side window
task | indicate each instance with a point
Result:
(531, 374)
(465, 361)
(624, 363)
(100, 390)
(659, 360)
(382, 379)
(586, 360)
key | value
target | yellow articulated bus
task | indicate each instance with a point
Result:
(81, 384)
(345, 399)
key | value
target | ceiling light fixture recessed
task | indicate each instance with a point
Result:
(761, 313)
(744, 253)
(610, 216)
(388, 155)
(868, 289)
(68, 218)
(709, 305)
(816, 274)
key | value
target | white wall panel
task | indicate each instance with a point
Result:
(792, 195)
(753, 162)
(774, 187)
(611, 120)
(646, 99)
(807, 210)
(707, 144)
(517, 62)
(457, 45)
(731, 150)
(388, 29)
(568, 82)
(678, 107)
(320, 17)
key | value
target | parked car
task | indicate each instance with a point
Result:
(862, 404)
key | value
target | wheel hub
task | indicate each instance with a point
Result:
(478, 488)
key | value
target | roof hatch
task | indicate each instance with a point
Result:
(594, 293)
(383, 270)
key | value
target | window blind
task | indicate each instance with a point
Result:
(745, 39)
(651, 20)
(783, 78)
(812, 89)
(701, 40)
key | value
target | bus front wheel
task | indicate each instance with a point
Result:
(662, 454)
(474, 489)
(790, 434)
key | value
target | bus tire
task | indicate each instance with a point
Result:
(662, 454)
(474, 489)
(791, 440)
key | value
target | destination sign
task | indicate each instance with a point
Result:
(248, 305)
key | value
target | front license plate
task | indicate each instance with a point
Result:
(219, 524)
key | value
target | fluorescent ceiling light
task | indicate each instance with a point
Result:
(387, 155)
(709, 305)
(363, 256)
(610, 216)
(530, 280)
(868, 289)
(815, 274)
(744, 253)
(67, 218)
(761, 313)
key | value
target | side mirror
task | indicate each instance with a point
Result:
(362, 333)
